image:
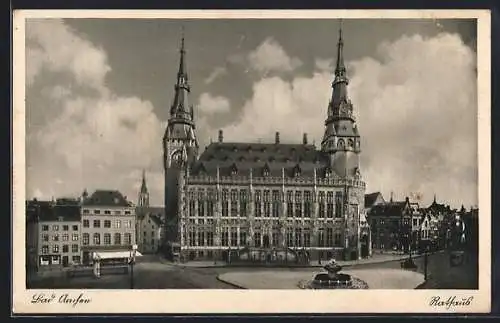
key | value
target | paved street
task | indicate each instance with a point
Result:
(151, 272)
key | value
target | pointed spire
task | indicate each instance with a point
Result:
(180, 107)
(144, 188)
(340, 67)
(434, 198)
(182, 63)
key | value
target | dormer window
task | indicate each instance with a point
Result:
(328, 173)
(296, 171)
(234, 170)
(241, 158)
(271, 159)
(257, 159)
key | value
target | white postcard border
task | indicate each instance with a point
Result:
(253, 301)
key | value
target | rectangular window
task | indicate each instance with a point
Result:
(65, 237)
(107, 238)
(298, 209)
(86, 223)
(298, 237)
(210, 239)
(55, 237)
(55, 248)
(321, 210)
(276, 195)
(225, 208)
(85, 239)
(267, 194)
(225, 238)
(307, 238)
(321, 238)
(118, 238)
(127, 238)
(118, 224)
(289, 209)
(97, 239)
(258, 209)
(86, 211)
(256, 239)
(289, 239)
(65, 227)
(201, 208)
(243, 238)
(45, 237)
(45, 249)
(74, 248)
(127, 223)
(234, 195)
(75, 228)
(76, 260)
(338, 204)
(234, 208)
(45, 227)
(276, 208)
(201, 238)
(210, 208)
(191, 238)
(97, 223)
(329, 237)
(243, 208)
(329, 210)
(192, 205)
(225, 194)
(267, 209)
(65, 248)
(307, 209)
(234, 237)
(107, 223)
(127, 212)
(118, 212)
(107, 212)
(338, 239)
(275, 239)
(97, 211)
(55, 227)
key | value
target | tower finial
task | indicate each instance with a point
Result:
(144, 188)
(434, 198)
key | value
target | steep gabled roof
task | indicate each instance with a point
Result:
(241, 157)
(371, 198)
(394, 209)
(106, 198)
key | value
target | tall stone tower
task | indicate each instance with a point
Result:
(341, 143)
(180, 147)
(341, 140)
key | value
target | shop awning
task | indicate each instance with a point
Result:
(115, 254)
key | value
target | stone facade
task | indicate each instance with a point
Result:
(268, 196)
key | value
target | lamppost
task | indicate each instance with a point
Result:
(131, 262)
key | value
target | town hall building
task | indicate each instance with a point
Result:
(265, 196)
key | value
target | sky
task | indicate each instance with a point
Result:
(98, 93)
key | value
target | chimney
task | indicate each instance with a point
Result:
(277, 138)
(221, 136)
(304, 139)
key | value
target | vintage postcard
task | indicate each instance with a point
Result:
(251, 161)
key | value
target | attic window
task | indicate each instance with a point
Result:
(328, 173)
(257, 159)
(117, 200)
(234, 170)
(271, 159)
(249, 148)
(241, 158)
(265, 171)
(296, 171)
(263, 149)
(235, 149)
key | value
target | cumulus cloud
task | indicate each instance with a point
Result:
(209, 104)
(216, 73)
(416, 108)
(93, 136)
(270, 56)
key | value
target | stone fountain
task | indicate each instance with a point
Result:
(333, 279)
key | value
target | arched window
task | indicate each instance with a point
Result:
(350, 143)
(341, 144)
(234, 170)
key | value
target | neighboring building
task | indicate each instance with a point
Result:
(270, 196)
(395, 225)
(373, 199)
(150, 227)
(59, 234)
(32, 218)
(108, 223)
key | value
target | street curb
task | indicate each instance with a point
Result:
(229, 283)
